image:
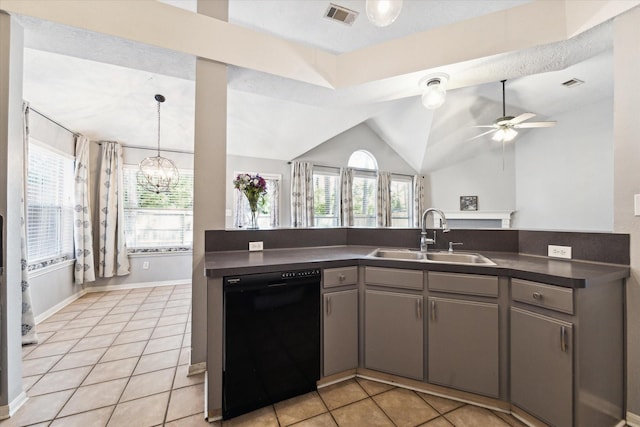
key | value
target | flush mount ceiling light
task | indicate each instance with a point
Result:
(382, 13)
(434, 90)
(158, 174)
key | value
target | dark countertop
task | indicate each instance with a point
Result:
(566, 273)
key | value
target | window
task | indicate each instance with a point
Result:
(49, 204)
(268, 205)
(326, 197)
(401, 201)
(364, 188)
(162, 220)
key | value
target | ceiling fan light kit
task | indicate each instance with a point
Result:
(434, 90)
(382, 13)
(504, 128)
(158, 174)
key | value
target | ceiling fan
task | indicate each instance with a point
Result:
(504, 128)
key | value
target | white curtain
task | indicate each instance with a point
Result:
(82, 238)
(346, 197)
(113, 250)
(301, 194)
(383, 199)
(418, 200)
(29, 335)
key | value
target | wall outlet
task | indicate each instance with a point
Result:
(145, 265)
(255, 246)
(559, 251)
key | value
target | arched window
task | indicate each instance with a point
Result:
(364, 188)
(362, 159)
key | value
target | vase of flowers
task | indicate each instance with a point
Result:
(253, 187)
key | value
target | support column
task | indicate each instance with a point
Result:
(11, 153)
(209, 164)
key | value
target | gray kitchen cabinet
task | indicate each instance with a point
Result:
(394, 333)
(542, 366)
(340, 331)
(464, 345)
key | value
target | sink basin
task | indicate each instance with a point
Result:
(459, 258)
(399, 254)
(442, 257)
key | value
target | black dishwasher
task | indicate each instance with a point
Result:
(271, 338)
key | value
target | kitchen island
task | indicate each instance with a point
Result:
(533, 294)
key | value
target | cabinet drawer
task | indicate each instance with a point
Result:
(471, 284)
(394, 277)
(340, 276)
(547, 296)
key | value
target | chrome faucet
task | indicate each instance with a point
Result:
(424, 240)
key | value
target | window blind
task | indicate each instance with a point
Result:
(162, 220)
(49, 204)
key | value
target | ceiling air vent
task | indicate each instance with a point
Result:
(572, 83)
(341, 14)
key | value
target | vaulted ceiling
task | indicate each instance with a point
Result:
(103, 86)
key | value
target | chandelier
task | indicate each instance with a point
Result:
(158, 174)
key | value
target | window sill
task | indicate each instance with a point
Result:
(132, 253)
(41, 268)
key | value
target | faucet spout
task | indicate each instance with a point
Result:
(424, 240)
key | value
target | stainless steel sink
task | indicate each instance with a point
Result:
(459, 258)
(442, 257)
(405, 254)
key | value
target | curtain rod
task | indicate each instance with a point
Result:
(139, 147)
(358, 169)
(53, 121)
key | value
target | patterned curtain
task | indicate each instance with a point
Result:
(273, 187)
(418, 200)
(113, 250)
(29, 335)
(82, 239)
(346, 197)
(301, 194)
(383, 201)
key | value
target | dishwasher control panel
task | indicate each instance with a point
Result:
(300, 273)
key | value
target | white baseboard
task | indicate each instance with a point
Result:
(7, 411)
(633, 419)
(53, 310)
(137, 285)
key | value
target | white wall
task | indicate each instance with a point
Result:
(482, 176)
(337, 150)
(564, 174)
(627, 182)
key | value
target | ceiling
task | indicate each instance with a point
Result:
(103, 86)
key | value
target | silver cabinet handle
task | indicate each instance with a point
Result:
(433, 310)
(537, 295)
(342, 277)
(563, 338)
(328, 304)
(419, 308)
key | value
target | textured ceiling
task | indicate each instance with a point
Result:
(103, 86)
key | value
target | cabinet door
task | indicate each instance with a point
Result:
(542, 366)
(464, 345)
(340, 331)
(394, 331)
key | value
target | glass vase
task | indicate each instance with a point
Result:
(253, 206)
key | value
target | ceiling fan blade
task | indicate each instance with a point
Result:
(535, 125)
(521, 118)
(485, 126)
(483, 134)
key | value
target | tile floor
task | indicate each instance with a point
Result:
(120, 359)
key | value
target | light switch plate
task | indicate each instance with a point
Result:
(636, 204)
(255, 246)
(559, 251)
